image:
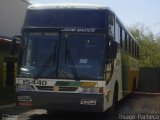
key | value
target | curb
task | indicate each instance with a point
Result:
(147, 93)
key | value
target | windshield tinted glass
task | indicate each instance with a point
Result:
(65, 18)
(74, 56)
(82, 56)
(39, 55)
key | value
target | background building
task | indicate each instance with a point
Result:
(9, 53)
(12, 14)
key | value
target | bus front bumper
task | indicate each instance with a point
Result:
(77, 102)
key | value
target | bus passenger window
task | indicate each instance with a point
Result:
(123, 39)
(126, 41)
(117, 33)
(133, 48)
(130, 45)
(120, 36)
(111, 25)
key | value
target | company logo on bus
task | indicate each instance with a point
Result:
(88, 102)
(88, 30)
(25, 98)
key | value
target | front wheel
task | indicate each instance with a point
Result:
(134, 86)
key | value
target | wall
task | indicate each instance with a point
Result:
(149, 79)
(8, 62)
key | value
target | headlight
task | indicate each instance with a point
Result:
(24, 69)
(90, 89)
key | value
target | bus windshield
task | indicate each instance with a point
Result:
(76, 56)
(82, 56)
(39, 55)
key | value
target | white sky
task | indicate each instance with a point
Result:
(129, 11)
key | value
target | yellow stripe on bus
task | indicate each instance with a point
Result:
(88, 84)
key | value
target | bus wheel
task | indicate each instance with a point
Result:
(134, 86)
(115, 99)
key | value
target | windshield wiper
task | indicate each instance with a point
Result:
(74, 70)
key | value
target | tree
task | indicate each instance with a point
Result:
(149, 45)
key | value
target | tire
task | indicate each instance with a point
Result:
(134, 86)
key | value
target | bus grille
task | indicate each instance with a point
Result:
(50, 88)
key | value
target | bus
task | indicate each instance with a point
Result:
(75, 57)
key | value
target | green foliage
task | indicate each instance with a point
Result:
(149, 45)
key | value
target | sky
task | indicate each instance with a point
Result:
(130, 12)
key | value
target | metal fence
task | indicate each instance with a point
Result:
(149, 79)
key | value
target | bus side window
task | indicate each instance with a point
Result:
(133, 48)
(117, 33)
(126, 41)
(123, 39)
(111, 25)
(120, 36)
(137, 51)
(130, 48)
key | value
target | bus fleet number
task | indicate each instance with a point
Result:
(35, 82)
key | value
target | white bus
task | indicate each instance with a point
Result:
(75, 57)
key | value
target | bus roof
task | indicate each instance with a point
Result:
(67, 6)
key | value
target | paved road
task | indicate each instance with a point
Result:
(133, 106)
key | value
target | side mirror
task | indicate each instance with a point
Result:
(113, 48)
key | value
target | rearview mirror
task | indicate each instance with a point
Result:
(113, 48)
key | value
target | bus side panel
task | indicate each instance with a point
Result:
(129, 72)
(116, 77)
